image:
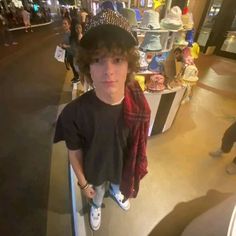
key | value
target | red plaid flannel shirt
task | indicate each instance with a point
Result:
(136, 117)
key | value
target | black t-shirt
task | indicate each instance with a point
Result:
(98, 129)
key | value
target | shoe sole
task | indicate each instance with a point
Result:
(94, 229)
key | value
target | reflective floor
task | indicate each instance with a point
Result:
(183, 180)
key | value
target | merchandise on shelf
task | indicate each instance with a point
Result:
(138, 14)
(130, 15)
(151, 42)
(190, 37)
(187, 20)
(156, 83)
(190, 74)
(141, 80)
(142, 61)
(195, 50)
(172, 39)
(180, 39)
(173, 19)
(150, 20)
(157, 63)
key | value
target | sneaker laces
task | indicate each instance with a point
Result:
(119, 196)
(96, 213)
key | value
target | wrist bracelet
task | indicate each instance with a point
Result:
(84, 186)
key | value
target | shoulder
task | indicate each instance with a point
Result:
(81, 102)
(79, 109)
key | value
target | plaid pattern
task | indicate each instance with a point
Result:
(136, 117)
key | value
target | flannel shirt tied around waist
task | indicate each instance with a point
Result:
(136, 116)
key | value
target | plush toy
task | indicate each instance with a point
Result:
(158, 3)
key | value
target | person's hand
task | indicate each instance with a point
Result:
(89, 192)
(65, 46)
(62, 45)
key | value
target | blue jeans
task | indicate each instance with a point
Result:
(100, 191)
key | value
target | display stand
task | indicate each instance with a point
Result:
(163, 104)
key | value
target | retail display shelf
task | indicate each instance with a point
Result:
(149, 30)
(161, 30)
(145, 72)
(165, 91)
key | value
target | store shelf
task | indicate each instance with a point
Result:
(146, 72)
(164, 106)
(161, 30)
(149, 30)
(165, 91)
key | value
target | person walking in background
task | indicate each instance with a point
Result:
(75, 36)
(5, 33)
(26, 19)
(105, 129)
(228, 140)
(66, 24)
(83, 18)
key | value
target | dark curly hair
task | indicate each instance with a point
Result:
(108, 46)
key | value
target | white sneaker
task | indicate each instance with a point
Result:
(231, 168)
(217, 153)
(119, 197)
(95, 217)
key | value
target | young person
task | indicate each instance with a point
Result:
(5, 33)
(228, 140)
(66, 44)
(75, 36)
(105, 129)
(26, 19)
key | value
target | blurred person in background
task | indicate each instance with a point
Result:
(26, 19)
(83, 16)
(75, 36)
(66, 24)
(5, 33)
(227, 142)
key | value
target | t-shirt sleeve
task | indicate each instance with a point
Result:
(67, 129)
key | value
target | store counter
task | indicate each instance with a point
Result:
(164, 106)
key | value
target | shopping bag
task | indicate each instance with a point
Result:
(60, 54)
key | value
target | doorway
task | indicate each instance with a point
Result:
(218, 31)
(227, 42)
